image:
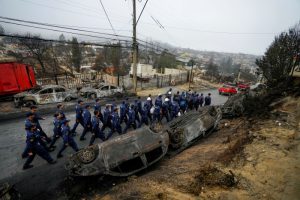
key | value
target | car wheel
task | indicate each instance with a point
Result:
(93, 96)
(176, 138)
(119, 94)
(88, 155)
(29, 103)
(68, 99)
(220, 93)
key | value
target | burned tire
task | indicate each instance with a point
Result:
(118, 95)
(92, 96)
(176, 138)
(68, 99)
(87, 155)
(29, 103)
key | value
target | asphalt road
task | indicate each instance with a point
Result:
(43, 179)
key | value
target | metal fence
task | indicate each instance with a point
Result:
(91, 79)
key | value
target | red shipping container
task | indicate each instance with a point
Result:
(15, 78)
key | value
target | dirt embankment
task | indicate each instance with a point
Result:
(245, 159)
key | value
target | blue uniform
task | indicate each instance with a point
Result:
(116, 126)
(123, 112)
(174, 110)
(127, 105)
(40, 137)
(156, 114)
(136, 110)
(106, 119)
(113, 106)
(97, 107)
(165, 111)
(96, 130)
(56, 131)
(158, 101)
(196, 101)
(131, 120)
(86, 122)
(148, 105)
(140, 107)
(67, 140)
(183, 103)
(36, 119)
(176, 98)
(201, 100)
(34, 147)
(61, 112)
(144, 117)
(79, 118)
(207, 101)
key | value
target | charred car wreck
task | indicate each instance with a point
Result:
(127, 154)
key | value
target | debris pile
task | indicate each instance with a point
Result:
(211, 176)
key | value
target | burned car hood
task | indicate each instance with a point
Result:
(87, 89)
(23, 94)
(112, 156)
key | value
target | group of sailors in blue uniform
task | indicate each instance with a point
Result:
(133, 115)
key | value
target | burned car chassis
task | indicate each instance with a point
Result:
(127, 154)
(121, 156)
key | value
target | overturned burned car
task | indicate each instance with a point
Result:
(234, 106)
(127, 154)
(193, 125)
(120, 156)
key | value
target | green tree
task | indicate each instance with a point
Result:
(76, 54)
(278, 60)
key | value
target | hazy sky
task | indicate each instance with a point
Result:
(245, 26)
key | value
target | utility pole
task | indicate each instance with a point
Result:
(134, 46)
(191, 75)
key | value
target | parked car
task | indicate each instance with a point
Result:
(120, 156)
(101, 90)
(227, 90)
(243, 87)
(44, 95)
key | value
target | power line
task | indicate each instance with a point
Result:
(107, 17)
(64, 42)
(55, 30)
(61, 31)
(59, 26)
(65, 10)
(141, 12)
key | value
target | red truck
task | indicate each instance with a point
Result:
(15, 77)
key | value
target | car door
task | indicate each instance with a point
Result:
(103, 91)
(113, 90)
(46, 96)
(60, 94)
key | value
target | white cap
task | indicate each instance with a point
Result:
(166, 99)
(148, 99)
